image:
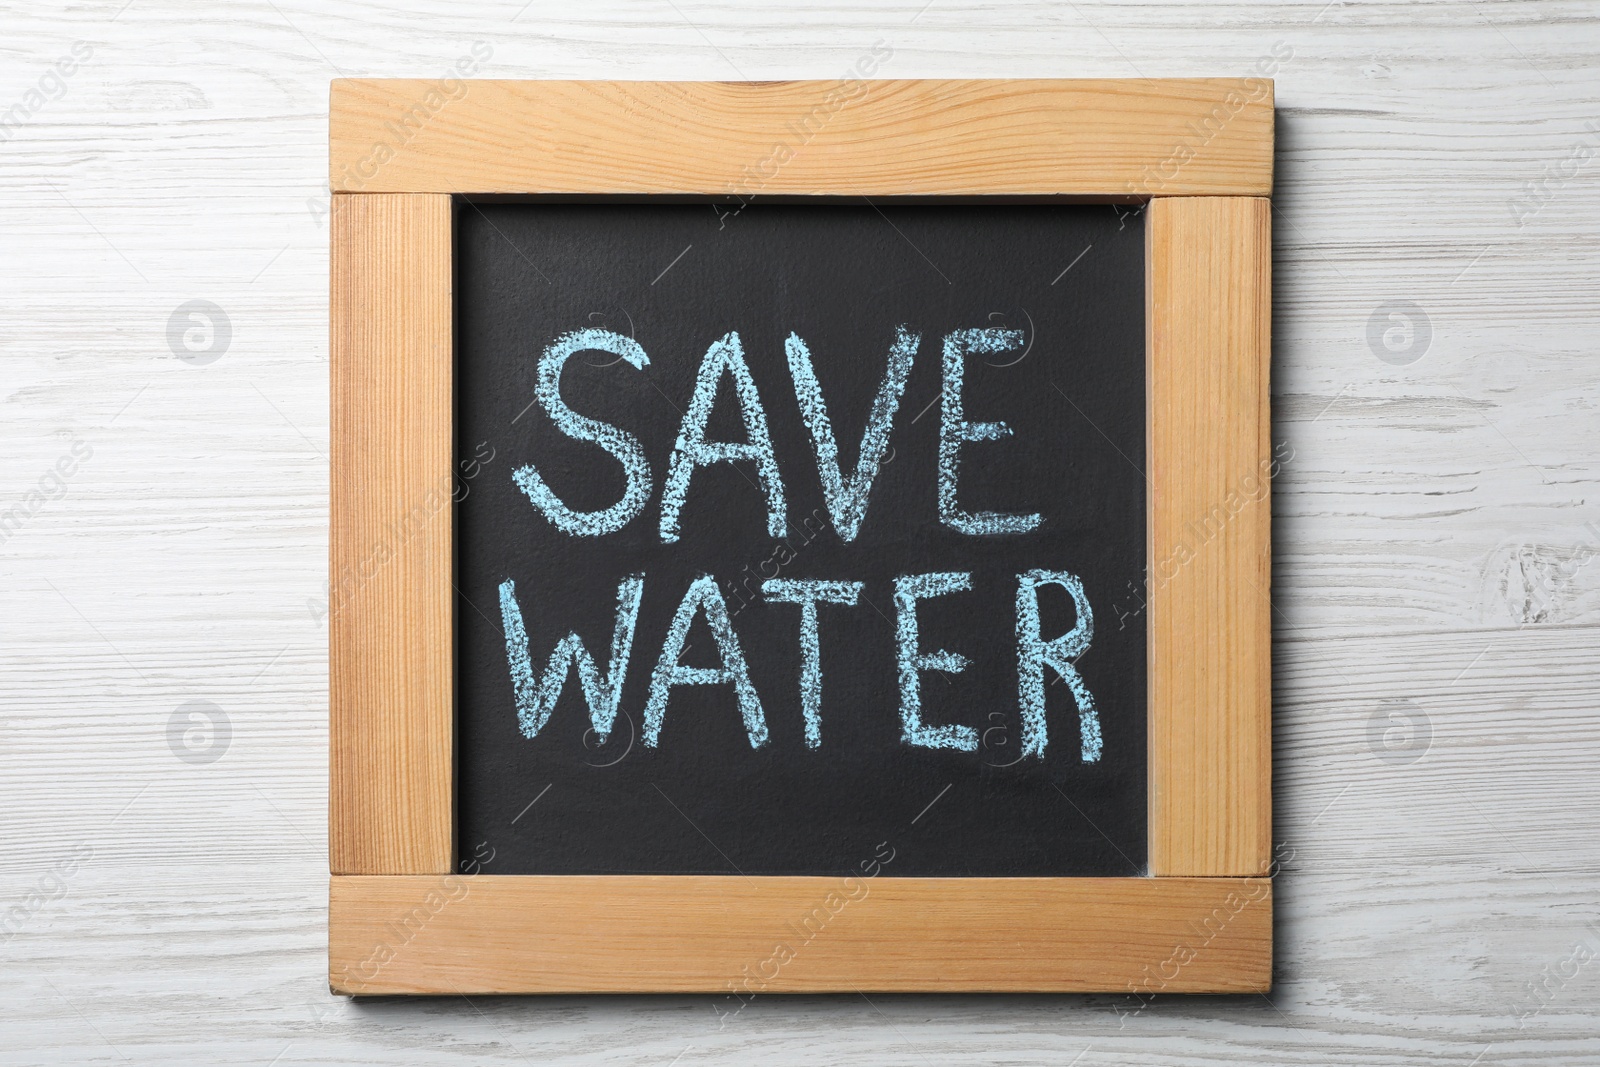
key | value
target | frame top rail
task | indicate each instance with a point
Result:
(1104, 139)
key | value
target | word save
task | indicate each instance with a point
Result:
(846, 495)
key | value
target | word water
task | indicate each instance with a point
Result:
(847, 497)
(537, 690)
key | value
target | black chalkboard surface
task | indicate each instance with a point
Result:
(649, 394)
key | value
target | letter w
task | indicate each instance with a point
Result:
(536, 697)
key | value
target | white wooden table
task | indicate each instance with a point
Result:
(1437, 601)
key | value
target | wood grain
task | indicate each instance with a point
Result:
(391, 634)
(1431, 550)
(493, 934)
(1209, 341)
(881, 138)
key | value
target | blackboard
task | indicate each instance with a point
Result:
(1043, 307)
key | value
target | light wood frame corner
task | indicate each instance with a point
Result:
(403, 919)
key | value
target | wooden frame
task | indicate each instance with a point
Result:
(403, 920)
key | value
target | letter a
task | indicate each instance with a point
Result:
(693, 450)
(703, 595)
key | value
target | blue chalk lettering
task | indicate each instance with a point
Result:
(693, 450)
(703, 595)
(954, 431)
(847, 498)
(536, 697)
(621, 444)
(913, 731)
(1033, 654)
(808, 593)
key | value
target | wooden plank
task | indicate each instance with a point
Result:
(493, 934)
(1209, 269)
(390, 627)
(1095, 138)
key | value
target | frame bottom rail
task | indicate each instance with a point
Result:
(446, 934)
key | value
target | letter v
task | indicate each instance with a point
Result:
(847, 499)
(536, 697)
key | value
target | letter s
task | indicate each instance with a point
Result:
(621, 444)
